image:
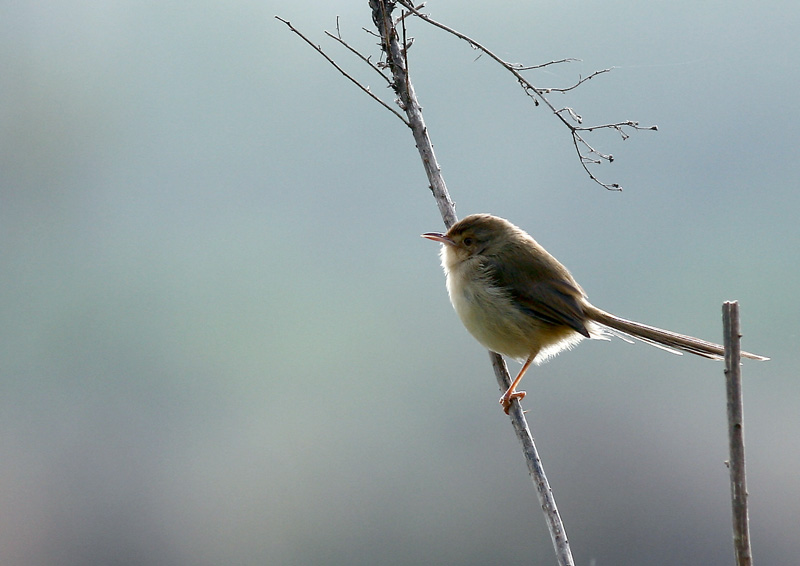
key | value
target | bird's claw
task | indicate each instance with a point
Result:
(508, 397)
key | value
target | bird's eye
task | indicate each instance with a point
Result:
(468, 241)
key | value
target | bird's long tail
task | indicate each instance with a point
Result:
(661, 338)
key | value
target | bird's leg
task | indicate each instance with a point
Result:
(512, 393)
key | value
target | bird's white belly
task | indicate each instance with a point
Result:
(489, 315)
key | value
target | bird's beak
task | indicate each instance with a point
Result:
(438, 237)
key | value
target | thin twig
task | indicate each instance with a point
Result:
(367, 60)
(736, 464)
(366, 89)
(538, 95)
(579, 83)
(404, 15)
(617, 126)
(520, 67)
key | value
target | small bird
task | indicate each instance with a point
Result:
(518, 300)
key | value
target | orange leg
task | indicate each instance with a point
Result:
(512, 393)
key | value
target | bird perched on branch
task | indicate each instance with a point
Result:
(518, 300)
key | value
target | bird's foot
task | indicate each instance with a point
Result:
(509, 396)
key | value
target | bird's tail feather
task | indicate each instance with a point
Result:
(671, 341)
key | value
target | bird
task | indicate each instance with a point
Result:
(519, 301)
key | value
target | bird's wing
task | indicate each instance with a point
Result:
(551, 300)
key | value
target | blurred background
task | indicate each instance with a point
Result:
(224, 341)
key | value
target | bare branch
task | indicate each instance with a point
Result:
(578, 141)
(404, 15)
(572, 114)
(355, 52)
(571, 119)
(366, 89)
(398, 63)
(579, 83)
(618, 126)
(538, 95)
(545, 494)
(520, 67)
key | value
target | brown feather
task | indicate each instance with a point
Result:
(654, 335)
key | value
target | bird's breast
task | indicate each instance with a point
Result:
(489, 313)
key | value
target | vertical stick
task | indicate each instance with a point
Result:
(395, 56)
(733, 380)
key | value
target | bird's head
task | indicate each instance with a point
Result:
(475, 235)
